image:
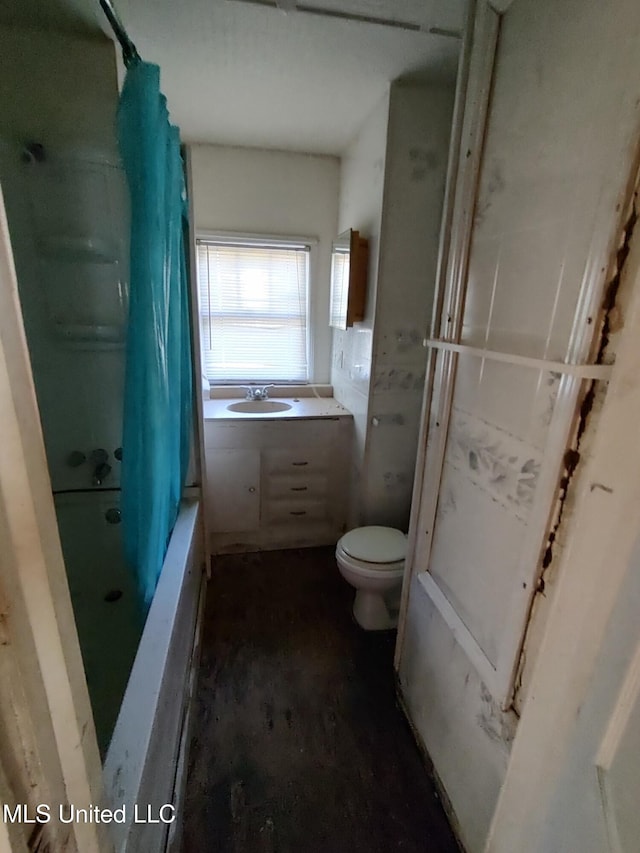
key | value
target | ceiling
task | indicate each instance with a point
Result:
(248, 74)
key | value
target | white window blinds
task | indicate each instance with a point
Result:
(253, 310)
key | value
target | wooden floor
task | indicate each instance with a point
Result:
(298, 744)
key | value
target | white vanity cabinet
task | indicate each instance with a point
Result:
(277, 483)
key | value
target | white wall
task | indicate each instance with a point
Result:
(361, 194)
(560, 141)
(392, 187)
(417, 151)
(277, 193)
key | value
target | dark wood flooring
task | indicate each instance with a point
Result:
(298, 744)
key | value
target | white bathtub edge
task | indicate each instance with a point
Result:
(140, 764)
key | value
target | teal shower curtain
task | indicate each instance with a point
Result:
(158, 392)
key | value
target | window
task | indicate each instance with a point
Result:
(253, 309)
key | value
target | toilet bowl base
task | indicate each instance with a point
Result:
(371, 612)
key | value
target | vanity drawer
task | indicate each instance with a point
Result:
(299, 463)
(297, 486)
(294, 511)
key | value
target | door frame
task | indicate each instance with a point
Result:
(471, 107)
(200, 454)
(47, 698)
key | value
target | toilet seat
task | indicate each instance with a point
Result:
(373, 552)
(375, 545)
(369, 570)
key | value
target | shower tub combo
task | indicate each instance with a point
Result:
(139, 672)
(68, 216)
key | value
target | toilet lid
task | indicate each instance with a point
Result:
(375, 544)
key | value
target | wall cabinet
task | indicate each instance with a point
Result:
(349, 261)
(277, 484)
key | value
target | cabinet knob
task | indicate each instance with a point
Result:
(252, 488)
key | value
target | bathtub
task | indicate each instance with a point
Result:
(140, 676)
(149, 741)
(108, 616)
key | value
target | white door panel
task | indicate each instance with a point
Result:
(573, 780)
(548, 146)
(534, 221)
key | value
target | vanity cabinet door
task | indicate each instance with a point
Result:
(233, 486)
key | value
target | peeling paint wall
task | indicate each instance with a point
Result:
(392, 187)
(362, 170)
(417, 150)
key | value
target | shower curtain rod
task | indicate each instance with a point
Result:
(129, 52)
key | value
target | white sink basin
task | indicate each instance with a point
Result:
(263, 407)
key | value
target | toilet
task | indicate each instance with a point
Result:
(371, 559)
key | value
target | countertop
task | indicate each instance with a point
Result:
(301, 407)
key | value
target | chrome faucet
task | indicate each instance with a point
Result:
(255, 392)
